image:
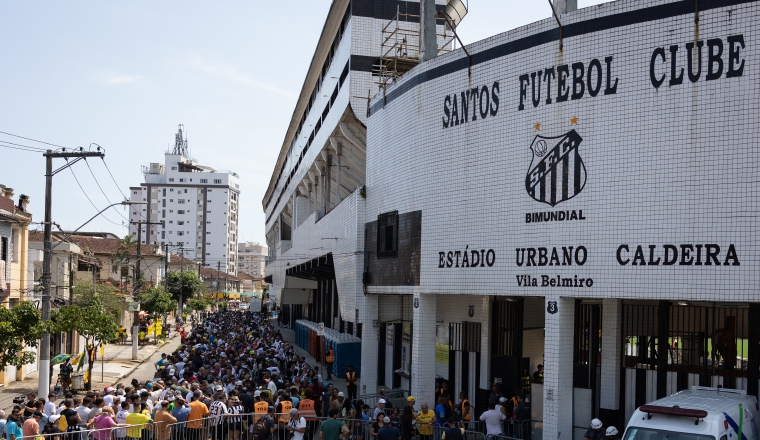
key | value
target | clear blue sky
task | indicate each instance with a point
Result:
(124, 74)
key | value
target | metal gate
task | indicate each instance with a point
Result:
(670, 347)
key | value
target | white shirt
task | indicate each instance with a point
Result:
(108, 399)
(493, 421)
(271, 386)
(49, 408)
(297, 424)
(121, 418)
(83, 412)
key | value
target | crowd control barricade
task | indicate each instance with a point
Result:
(467, 435)
(358, 429)
(143, 431)
(189, 430)
(517, 429)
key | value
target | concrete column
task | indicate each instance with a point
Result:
(370, 341)
(337, 175)
(565, 6)
(558, 368)
(428, 37)
(423, 348)
(612, 323)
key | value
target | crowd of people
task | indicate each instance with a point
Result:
(234, 377)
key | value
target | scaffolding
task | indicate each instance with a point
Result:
(400, 47)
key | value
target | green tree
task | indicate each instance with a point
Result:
(20, 327)
(158, 302)
(183, 285)
(112, 299)
(198, 305)
(93, 322)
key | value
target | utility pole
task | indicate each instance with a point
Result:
(44, 365)
(216, 294)
(198, 294)
(136, 284)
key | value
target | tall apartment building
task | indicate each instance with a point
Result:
(252, 258)
(197, 205)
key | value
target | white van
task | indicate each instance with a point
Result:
(701, 413)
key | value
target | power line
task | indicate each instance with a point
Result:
(88, 197)
(33, 140)
(41, 150)
(101, 189)
(114, 179)
(19, 148)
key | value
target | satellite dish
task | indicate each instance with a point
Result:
(456, 10)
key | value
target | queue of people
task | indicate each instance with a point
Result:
(234, 377)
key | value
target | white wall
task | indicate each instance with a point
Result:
(668, 165)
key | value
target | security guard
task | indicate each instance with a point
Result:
(308, 408)
(351, 383)
(594, 432)
(261, 406)
(525, 379)
(464, 407)
(329, 360)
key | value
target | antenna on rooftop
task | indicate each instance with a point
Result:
(180, 142)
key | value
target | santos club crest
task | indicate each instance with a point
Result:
(556, 172)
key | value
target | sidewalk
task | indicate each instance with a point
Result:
(117, 364)
(289, 336)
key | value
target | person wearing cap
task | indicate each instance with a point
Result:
(296, 425)
(411, 401)
(332, 428)
(351, 382)
(611, 433)
(495, 394)
(595, 431)
(388, 431)
(267, 422)
(31, 426)
(380, 409)
(452, 431)
(502, 406)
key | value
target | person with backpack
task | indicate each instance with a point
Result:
(264, 426)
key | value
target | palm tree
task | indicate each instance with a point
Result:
(127, 248)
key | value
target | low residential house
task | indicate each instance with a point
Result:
(14, 223)
(214, 280)
(101, 258)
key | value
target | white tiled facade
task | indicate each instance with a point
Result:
(199, 210)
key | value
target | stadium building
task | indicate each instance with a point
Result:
(580, 193)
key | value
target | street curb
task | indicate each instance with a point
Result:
(131, 370)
